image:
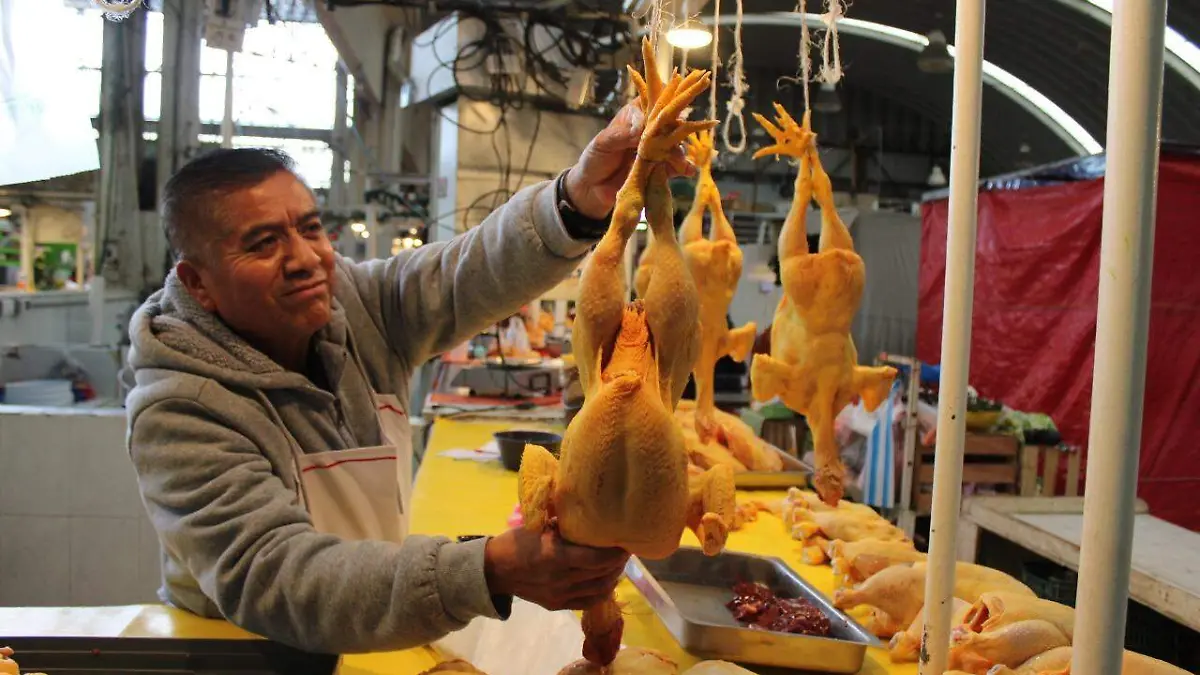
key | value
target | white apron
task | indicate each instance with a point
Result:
(362, 493)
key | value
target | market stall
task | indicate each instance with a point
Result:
(451, 497)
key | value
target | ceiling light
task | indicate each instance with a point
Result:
(417, 243)
(827, 100)
(364, 234)
(936, 177)
(689, 36)
(412, 231)
(357, 227)
(4, 213)
(935, 57)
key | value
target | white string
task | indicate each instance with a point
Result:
(831, 58)
(736, 100)
(716, 60)
(805, 59)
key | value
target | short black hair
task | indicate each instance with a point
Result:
(191, 200)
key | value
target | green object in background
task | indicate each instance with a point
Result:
(776, 411)
(53, 266)
(772, 411)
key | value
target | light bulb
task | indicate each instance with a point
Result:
(358, 227)
(689, 37)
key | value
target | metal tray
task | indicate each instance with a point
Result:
(164, 656)
(795, 473)
(689, 590)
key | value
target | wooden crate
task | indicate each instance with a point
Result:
(989, 460)
(1050, 457)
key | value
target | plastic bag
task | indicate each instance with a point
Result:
(44, 132)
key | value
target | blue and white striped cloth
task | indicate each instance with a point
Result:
(878, 477)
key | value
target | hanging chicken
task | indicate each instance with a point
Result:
(716, 265)
(813, 365)
(622, 480)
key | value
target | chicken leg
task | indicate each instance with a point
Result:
(813, 363)
(622, 480)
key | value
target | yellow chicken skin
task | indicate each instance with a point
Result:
(996, 609)
(716, 266)
(905, 647)
(899, 590)
(1010, 645)
(813, 365)
(856, 561)
(1057, 661)
(623, 457)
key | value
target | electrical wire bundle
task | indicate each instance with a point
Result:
(522, 57)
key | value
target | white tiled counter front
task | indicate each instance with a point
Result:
(72, 527)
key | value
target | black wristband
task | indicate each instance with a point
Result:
(577, 225)
(502, 603)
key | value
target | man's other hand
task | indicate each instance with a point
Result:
(593, 182)
(542, 568)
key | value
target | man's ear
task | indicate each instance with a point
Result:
(194, 282)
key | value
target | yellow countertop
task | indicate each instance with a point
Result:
(451, 497)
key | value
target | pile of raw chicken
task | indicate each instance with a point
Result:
(1000, 627)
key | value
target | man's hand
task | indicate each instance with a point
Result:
(593, 182)
(543, 569)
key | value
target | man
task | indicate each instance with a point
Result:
(267, 424)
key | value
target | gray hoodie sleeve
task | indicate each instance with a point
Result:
(244, 536)
(435, 297)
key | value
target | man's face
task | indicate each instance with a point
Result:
(269, 274)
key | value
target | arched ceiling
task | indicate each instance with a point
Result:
(1056, 49)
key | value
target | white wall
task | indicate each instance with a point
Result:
(54, 225)
(753, 301)
(73, 530)
(62, 317)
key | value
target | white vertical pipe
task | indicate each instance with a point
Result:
(227, 120)
(1122, 324)
(956, 331)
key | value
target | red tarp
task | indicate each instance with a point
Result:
(1033, 332)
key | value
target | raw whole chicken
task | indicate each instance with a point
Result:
(1057, 661)
(854, 562)
(622, 480)
(899, 590)
(847, 525)
(799, 502)
(716, 265)
(813, 365)
(997, 609)
(905, 647)
(1009, 645)
(734, 438)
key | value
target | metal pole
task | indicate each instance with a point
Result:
(956, 332)
(227, 120)
(372, 230)
(1122, 324)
